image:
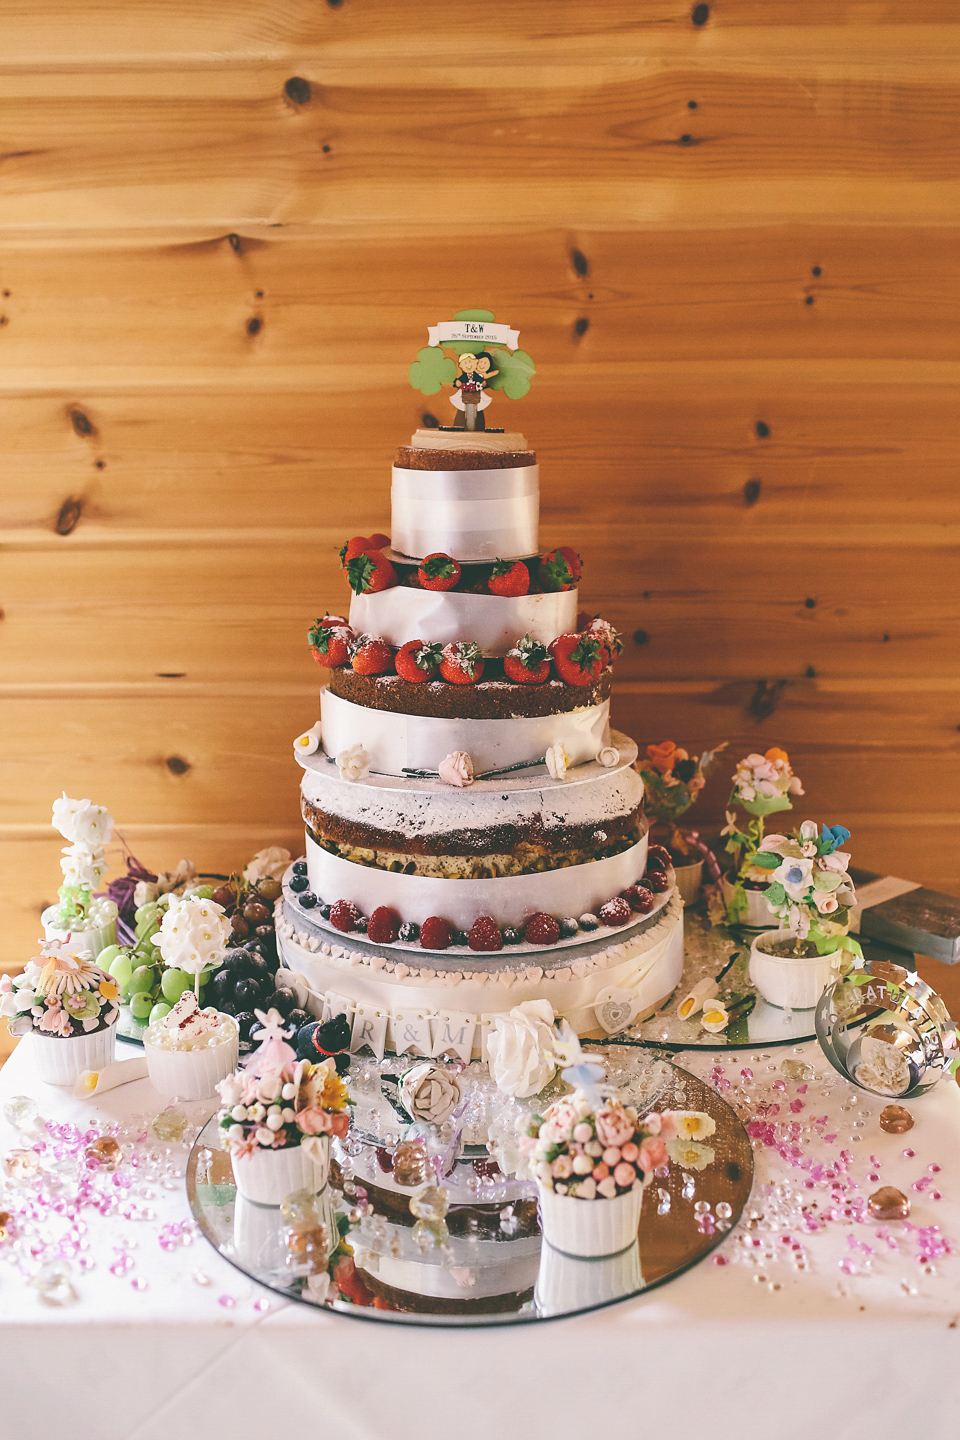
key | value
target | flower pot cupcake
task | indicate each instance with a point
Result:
(189, 1051)
(592, 1157)
(68, 1007)
(278, 1116)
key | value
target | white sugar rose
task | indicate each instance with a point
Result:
(456, 769)
(520, 1049)
(353, 763)
(608, 756)
(268, 864)
(193, 934)
(557, 760)
(430, 1094)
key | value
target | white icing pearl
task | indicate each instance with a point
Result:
(239, 1112)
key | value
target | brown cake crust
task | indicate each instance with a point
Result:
(533, 837)
(409, 458)
(494, 699)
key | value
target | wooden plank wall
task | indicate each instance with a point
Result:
(728, 234)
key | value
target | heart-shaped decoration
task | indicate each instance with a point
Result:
(614, 1009)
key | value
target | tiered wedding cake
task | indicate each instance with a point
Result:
(474, 830)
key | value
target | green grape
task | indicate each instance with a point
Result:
(143, 980)
(106, 957)
(159, 1010)
(201, 979)
(121, 969)
(173, 983)
(202, 892)
(140, 1006)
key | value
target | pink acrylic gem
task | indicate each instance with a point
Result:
(227, 1301)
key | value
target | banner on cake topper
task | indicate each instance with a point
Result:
(473, 332)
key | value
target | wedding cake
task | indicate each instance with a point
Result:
(475, 835)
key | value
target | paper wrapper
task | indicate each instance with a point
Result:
(62, 1060)
(268, 1176)
(469, 514)
(590, 1228)
(190, 1074)
(794, 983)
(494, 622)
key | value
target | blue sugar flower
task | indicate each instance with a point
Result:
(832, 838)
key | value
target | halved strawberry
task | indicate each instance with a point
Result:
(559, 569)
(438, 572)
(578, 658)
(461, 663)
(372, 656)
(330, 644)
(379, 541)
(417, 662)
(358, 545)
(528, 663)
(369, 572)
(509, 577)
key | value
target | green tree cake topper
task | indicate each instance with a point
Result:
(487, 358)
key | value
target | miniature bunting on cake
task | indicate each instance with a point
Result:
(487, 359)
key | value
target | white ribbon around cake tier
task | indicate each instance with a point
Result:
(395, 743)
(649, 966)
(494, 622)
(472, 515)
(509, 899)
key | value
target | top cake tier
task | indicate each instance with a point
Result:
(475, 495)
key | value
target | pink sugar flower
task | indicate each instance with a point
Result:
(562, 1167)
(652, 1153)
(613, 1126)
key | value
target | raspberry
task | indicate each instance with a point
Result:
(436, 934)
(541, 929)
(344, 915)
(657, 881)
(639, 898)
(661, 853)
(383, 926)
(615, 912)
(485, 934)
(656, 862)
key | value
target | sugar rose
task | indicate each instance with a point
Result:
(430, 1094)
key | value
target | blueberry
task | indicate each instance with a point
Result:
(589, 922)
(409, 933)
(307, 899)
(245, 1020)
(511, 935)
(323, 910)
(568, 926)
(299, 882)
(360, 924)
(460, 937)
(299, 867)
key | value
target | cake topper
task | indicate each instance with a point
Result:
(487, 358)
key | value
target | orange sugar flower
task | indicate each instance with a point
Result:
(775, 754)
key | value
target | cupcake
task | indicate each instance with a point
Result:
(277, 1118)
(68, 1007)
(189, 1051)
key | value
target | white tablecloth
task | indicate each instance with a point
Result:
(719, 1351)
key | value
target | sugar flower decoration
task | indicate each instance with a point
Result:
(193, 934)
(608, 756)
(353, 763)
(557, 760)
(268, 864)
(82, 822)
(520, 1049)
(309, 742)
(456, 769)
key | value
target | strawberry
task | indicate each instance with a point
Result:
(541, 929)
(438, 572)
(639, 898)
(559, 569)
(462, 663)
(380, 542)
(610, 639)
(383, 926)
(359, 545)
(485, 934)
(330, 644)
(417, 662)
(528, 663)
(436, 934)
(578, 658)
(615, 912)
(344, 915)
(369, 572)
(509, 577)
(372, 656)
(333, 620)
